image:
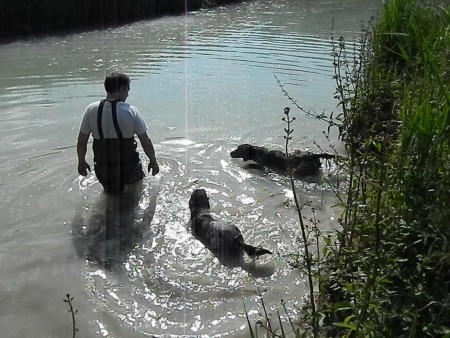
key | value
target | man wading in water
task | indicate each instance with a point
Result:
(113, 124)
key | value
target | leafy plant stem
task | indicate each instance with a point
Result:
(308, 259)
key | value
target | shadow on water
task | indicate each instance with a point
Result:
(106, 231)
(255, 168)
(253, 267)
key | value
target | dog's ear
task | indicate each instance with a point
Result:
(192, 203)
(193, 199)
(246, 151)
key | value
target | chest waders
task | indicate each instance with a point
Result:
(116, 161)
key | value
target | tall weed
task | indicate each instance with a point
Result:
(392, 277)
(386, 271)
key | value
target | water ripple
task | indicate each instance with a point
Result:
(204, 84)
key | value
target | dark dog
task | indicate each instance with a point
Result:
(223, 239)
(303, 163)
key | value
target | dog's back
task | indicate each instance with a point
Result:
(222, 238)
(215, 235)
(219, 237)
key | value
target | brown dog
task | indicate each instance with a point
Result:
(223, 239)
(303, 163)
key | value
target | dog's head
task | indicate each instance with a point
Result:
(199, 200)
(243, 151)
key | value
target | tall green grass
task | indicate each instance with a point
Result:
(386, 271)
(390, 267)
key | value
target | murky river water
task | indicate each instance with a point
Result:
(204, 83)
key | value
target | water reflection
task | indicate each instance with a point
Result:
(253, 267)
(107, 231)
(204, 83)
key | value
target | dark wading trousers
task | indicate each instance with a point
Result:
(116, 161)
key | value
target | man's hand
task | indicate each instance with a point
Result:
(147, 145)
(153, 167)
(83, 168)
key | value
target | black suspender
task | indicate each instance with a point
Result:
(114, 117)
(99, 118)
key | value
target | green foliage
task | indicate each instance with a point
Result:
(413, 35)
(389, 266)
(386, 271)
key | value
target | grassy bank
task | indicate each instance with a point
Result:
(31, 17)
(386, 271)
(389, 272)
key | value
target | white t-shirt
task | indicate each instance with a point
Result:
(128, 118)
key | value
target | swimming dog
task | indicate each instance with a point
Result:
(303, 163)
(223, 239)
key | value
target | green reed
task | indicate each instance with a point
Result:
(385, 272)
(390, 266)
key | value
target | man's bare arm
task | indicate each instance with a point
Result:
(147, 145)
(83, 167)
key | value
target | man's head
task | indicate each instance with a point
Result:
(117, 85)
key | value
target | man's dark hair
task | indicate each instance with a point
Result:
(115, 80)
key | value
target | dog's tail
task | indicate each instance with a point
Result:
(251, 250)
(254, 252)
